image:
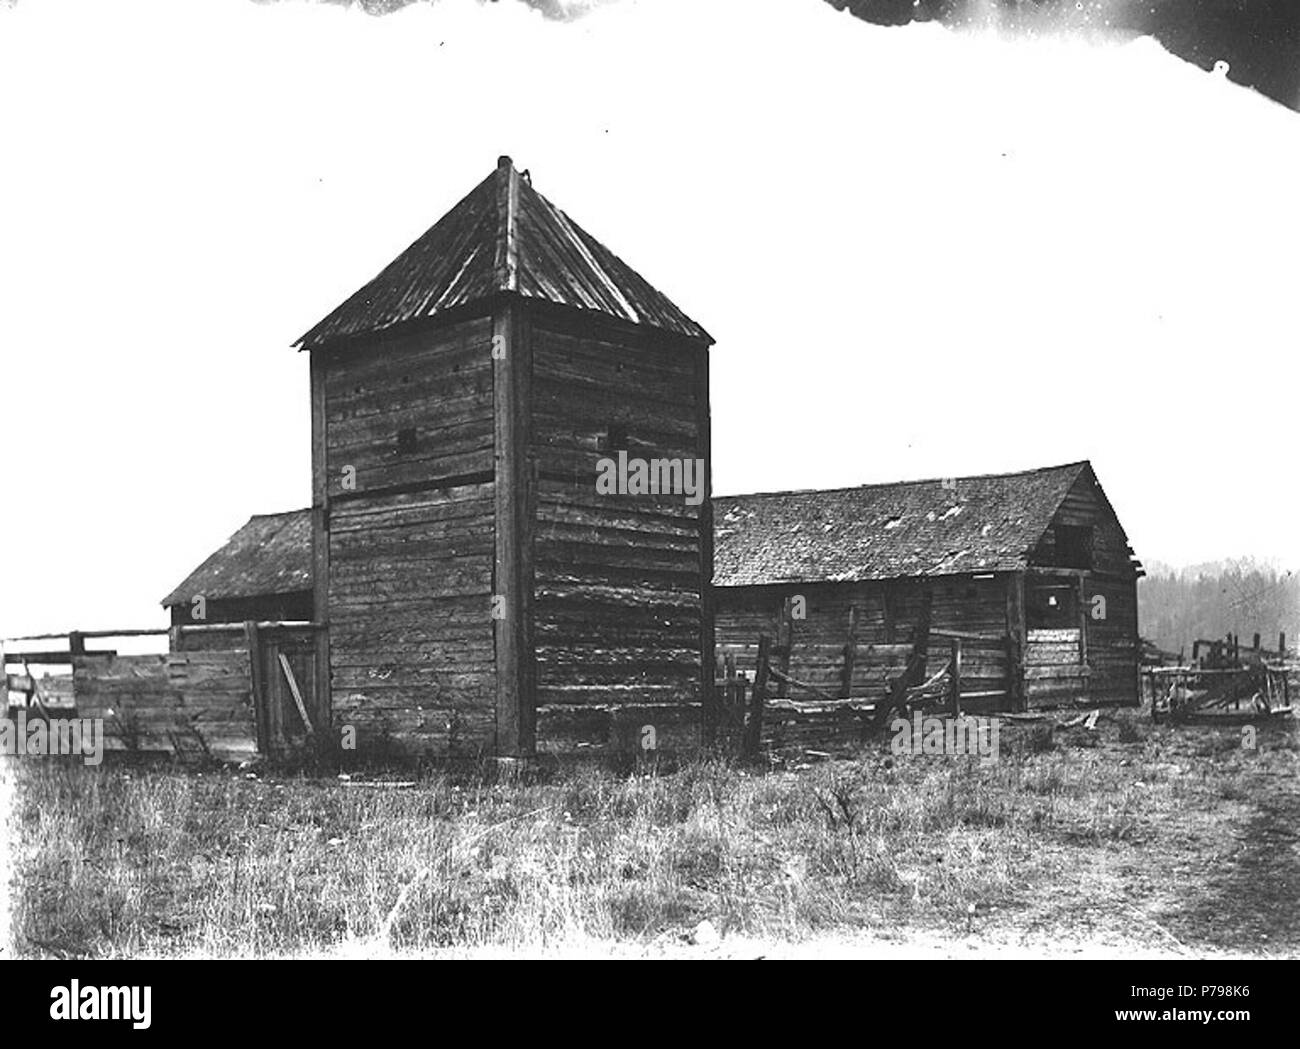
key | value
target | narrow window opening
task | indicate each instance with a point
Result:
(1074, 546)
(616, 439)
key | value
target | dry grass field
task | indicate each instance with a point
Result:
(1131, 839)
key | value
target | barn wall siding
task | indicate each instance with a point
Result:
(410, 544)
(181, 702)
(1112, 643)
(886, 614)
(1085, 505)
(618, 579)
(1095, 661)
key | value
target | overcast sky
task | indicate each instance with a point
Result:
(922, 253)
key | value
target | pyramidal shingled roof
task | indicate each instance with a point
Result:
(986, 523)
(503, 237)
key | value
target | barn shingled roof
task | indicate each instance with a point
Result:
(271, 554)
(503, 237)
(884, 531)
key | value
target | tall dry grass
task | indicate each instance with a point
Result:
(126, 861)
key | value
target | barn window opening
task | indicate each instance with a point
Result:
(1074, 546)
(616, 439)
(406, 440)
(1051, 606)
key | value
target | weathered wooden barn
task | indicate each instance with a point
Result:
(1033, 568)
(479, 594)
(472, 589)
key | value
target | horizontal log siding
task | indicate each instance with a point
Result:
(162, 703)
(1112, 642)
(437, 384)
(617, 578)
(410, 554)
(1053, 672)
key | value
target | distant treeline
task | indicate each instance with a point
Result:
(1178, 606)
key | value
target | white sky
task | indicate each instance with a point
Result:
(922, 254)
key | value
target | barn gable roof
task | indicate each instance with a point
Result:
(503, 237)
(271, 554)
(938, 527)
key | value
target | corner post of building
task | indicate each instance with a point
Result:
(512, 561)
(320, 546)
(512, 550)
(1137, 652)
(1016, 640)
(708, 640)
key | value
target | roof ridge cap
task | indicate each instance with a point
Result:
(507, 235)
(897, 484)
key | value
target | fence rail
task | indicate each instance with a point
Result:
(752, 713)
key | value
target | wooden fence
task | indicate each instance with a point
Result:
(185, 703)
(776, 711)
(252, 695)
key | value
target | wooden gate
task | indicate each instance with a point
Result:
(289, 715)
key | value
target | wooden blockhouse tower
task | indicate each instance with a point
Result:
(479, 595)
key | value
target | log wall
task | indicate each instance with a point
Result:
(618, 580)
(409, 460)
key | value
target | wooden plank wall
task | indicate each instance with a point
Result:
(410, 547)
(880, 616)
(1113, 651)
(1084, 505)
(437, 383)
(1054, 672)
(618, 579)
(195, 701)
(1109, 649)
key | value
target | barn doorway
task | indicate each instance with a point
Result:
(288, 708)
